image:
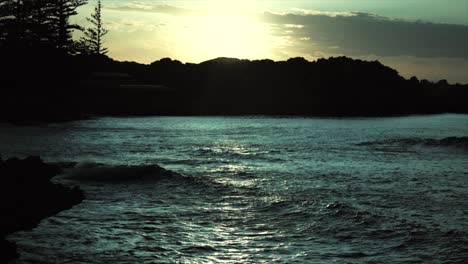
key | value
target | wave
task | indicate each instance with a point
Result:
(97, 172)
(455, 142)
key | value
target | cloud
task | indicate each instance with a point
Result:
(299, 11)
(358, 34)
(155, 8)
(131, 25)
(293, 26)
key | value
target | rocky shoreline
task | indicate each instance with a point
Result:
(27, 196)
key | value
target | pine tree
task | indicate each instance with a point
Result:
(62, 29)
(5, 6)
(13, 17)
(92, 41)
(29, 23)
(40, 18)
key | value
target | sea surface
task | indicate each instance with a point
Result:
(253, 190)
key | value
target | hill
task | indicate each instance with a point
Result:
(58, 87)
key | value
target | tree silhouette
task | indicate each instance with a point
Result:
(40, 25)
(61, 11)
(29, 23)
(4, 13)
(13, 14)
(93, 37)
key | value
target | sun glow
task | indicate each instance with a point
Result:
(225, 35)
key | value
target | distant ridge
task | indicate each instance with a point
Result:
(37, 85)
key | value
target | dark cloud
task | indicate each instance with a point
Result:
(156, 8)
(358, 34)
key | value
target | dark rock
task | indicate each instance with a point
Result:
(8, 250)
(27, 196)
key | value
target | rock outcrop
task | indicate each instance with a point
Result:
(27, 196)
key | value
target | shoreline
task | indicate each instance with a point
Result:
(44, 122)
(28, 196)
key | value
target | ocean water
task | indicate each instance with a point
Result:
(253, 190)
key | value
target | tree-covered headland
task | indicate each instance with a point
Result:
(50, 75)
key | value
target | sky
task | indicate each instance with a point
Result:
(425, 38)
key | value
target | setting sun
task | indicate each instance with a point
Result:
(227, 35)
(234, 131)
(198, 30)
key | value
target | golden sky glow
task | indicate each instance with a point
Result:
(223, 35)
(195, 31)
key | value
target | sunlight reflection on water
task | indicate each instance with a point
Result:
(256, 190)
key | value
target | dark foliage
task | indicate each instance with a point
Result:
(38, 23)
(54, 86)
(42, 81)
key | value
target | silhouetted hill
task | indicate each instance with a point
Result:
(53, 86)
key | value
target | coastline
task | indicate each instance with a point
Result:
(28, 196)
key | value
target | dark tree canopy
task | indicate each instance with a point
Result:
(4, 12)
(37, 23)
(41, 68)
(62, 29)
(13, 19)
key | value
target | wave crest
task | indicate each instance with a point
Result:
(117, 173)
(455, 142)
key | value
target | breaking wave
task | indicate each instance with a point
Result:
(97, 172)
(454, 142)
